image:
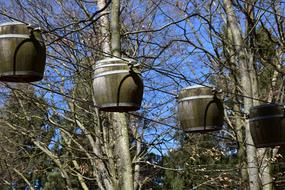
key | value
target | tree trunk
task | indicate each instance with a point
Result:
(104, 22)
(241, 150)
(123, 150)
(240, 129)
(246, 71)
(120, 123)
(266, 154)
(107, 184)
(120, 126)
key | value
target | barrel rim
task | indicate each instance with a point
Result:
(22, 72)
(31, 76)
(11, 23)
(111, 59)
(111, 73)
(119, 107)
(266, 105)
(114, 59)
(202, 129)
(14, 36)
(195, 98)
(265, 117)
(109, 65)
(197, 86)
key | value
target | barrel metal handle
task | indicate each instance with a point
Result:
(132, 67)
(32, 39)
(34, 28)
(215, 100)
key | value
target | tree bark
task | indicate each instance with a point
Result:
(104, 22)
(246, 79)
(241, 150)
(115, 28)
(266, 154)
(119, 119)
(110, 184)
(123, 150)
(240, 129)
(120, 123)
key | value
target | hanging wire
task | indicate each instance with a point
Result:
(164, 73)
(130, 113)
(160, 70)
(170, 73)
(98, 107)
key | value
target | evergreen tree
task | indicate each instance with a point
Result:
(201, 161)
(23, 120)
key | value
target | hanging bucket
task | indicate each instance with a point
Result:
(117, 86)
(267, 125)
(199, 110)
(22, 53)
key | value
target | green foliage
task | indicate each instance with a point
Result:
(278, 168)
(153, 174)
(200, 161)
(266, 43)
(54, 182)
(24, 119)
(266, 56)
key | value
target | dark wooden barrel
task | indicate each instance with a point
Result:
(117, 88)
(199, 110)
(22, 53)
(267, 125)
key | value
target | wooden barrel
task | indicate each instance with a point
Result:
(117, 88)
(22, 53)
(267, 125)
(199, 110)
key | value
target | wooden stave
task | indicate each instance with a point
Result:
(195, 123)
(263, 116)
(132, 88)
(30, 61)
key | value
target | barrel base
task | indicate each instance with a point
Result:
(203, 129)
(21, 76)
(121, 107)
